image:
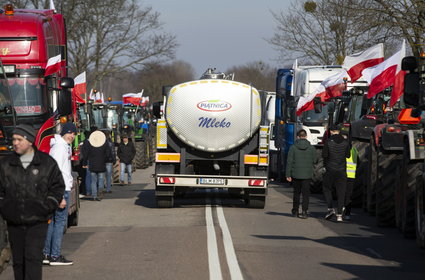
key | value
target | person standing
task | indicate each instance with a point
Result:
(110, 162)
(351, 178)
(61, 151)
(126, 152)
(299, 171)
(96, 154)
(335, 152)
(31, 188)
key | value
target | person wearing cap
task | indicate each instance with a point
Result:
(60, 150)
(97, 153)
(126, 152)
(31, 189)
(336, 150)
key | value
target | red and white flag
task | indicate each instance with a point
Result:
(99, 98)
(356, 62)
(144, 101)
(132, 98)
(79, 87)
(386, 74)
(328, 88)
(53, 65)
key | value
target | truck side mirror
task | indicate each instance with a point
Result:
(166, 90)
(65, 102)
(67, 82)
(156, 109)
(411, 94)
(317, 101)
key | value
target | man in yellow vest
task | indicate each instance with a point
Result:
(351, 177)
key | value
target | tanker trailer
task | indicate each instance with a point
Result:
(212, 135)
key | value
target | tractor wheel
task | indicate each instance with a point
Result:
(318, 171)
(405, 194)
(116, 173)
(359, 182)
(420, 213)
(389, 164)
(372, 176)
(140, 154)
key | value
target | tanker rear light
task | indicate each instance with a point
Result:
(256, 183)
(8, 10)
(167, 180)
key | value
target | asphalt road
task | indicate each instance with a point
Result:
(210, 236)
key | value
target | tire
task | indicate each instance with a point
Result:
(372, 176)
(359, 182)
(411, 170)
(140, 154)
(164, 201)
(388, 166)
(116, 173)
(318, 171)
(420, 213)
(257, 202)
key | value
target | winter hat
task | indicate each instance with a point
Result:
(334, 127)
(26, 131)
(68, 127)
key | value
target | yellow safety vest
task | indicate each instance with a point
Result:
(352, 164)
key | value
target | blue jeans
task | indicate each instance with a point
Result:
(108, 176)
(53, 243)
(97, 179)
(124, 167)
(88, 180)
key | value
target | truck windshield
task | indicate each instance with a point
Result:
(29, 95)
(316, 118)
(105, 121)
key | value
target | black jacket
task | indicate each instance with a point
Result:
(29, 196)
(335, 153)
(127, 152)
(112, 158)
(96, 156)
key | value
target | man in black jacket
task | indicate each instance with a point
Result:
(126, 152)
(335, 153)
(31, 187)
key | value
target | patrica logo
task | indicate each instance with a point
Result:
(214, 105)
(213, 122)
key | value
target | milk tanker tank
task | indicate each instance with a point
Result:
(212, 134)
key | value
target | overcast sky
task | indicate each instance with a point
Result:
(220, 33)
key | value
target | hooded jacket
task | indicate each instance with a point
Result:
(61, 152)
(301, 159)
(29, 195)
(335, 153)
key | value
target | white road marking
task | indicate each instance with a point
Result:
(232, 261)
(213, 259)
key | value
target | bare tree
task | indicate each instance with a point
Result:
(110, 36)
(257, 73)
(154, 76)
(324, 32)
(403, 18)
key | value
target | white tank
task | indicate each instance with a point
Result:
(212, 114)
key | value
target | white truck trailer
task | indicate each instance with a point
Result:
(212, 134)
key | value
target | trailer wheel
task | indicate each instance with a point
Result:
(405, 194)
(359, 182)
(258, 202)
(318, 171)
(372, 176)
(420, 213)
(388, 166)
(164, 201)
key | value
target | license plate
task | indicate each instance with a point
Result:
(211, 181)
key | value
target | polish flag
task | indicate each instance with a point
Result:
(144, 101)
(356, 62)
(386, 74)
(79, 87)
(53, 65)
(132, 98)
(99, 98)
(328, 88)
(92, 95)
